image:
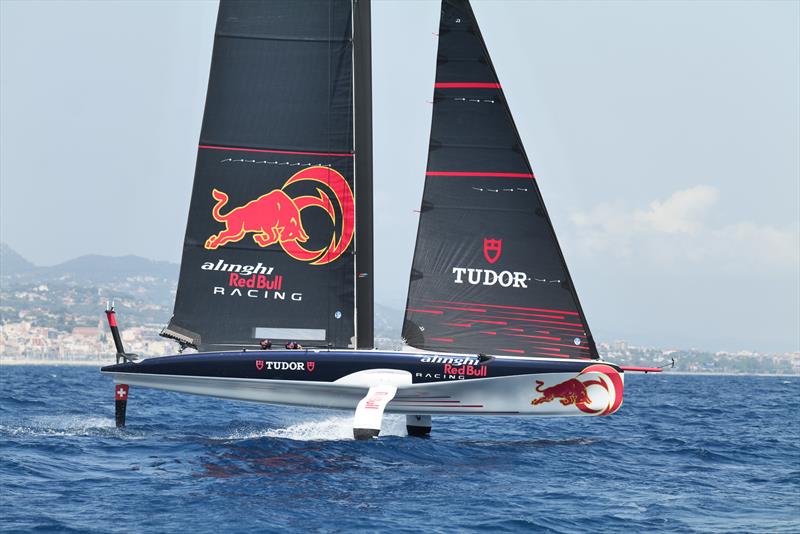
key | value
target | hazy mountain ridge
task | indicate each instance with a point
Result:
(74, 292)
(11, 262)
(90, 267)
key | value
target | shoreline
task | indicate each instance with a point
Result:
(68, 363)
(96, 363)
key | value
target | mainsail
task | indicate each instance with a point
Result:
(281, 177)
(488, 274)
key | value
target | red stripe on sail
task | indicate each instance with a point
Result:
(516, 351)
(536, 337)
(489, 322)
(240, 149)
(466, 85)
(437, 312)
(443, 339)
(526, 314)
(564, 312)
(484, 174)
(535, 321)
(477, 310)
(463, 325)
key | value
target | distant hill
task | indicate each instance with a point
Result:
(101, 268)
(108, 277)
(11, 262)
(92, 267)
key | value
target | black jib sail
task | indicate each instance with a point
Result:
(488, 274)
(269, 251)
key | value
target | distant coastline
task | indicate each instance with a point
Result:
(70, 363)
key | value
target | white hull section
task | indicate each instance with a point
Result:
(596, 392)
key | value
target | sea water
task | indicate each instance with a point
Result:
(683, 454)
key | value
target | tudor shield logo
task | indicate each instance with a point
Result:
(492, 248)
(275, 218)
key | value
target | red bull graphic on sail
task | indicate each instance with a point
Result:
(596, 390)
(276, 218)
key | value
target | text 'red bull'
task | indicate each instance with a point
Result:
(275, 217)
(256, 281)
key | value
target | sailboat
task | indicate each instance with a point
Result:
(276, 280)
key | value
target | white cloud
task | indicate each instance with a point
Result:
(676, 231)
(682, 212)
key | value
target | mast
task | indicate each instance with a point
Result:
(362, 89)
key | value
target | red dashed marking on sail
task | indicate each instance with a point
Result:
(515, 351)
(537, 321)
(536, 337)
(548, 348)
(437, 312)
(482, 174)
(489, 333)
(559, 312)
(442, 339)
(570, 330)
(477, 310)
(526, 314)
(462, 325)
(466, 85)
(240, 149)
(515, 329)
(489, 322)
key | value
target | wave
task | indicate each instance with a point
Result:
(336, 428)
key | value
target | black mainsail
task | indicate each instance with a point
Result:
(282, 182)
(488, 274)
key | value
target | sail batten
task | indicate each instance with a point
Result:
(488, 274)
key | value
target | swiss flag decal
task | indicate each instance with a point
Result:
(121, 392)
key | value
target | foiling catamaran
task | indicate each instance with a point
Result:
(279, 240)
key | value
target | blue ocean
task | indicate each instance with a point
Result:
(684, 454)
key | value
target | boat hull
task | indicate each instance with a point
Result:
(431, 383)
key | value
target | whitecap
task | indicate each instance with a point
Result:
(336, 428)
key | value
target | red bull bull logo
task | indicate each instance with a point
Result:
(276, 218)
(602, 379)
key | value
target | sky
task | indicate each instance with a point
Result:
(664, 137)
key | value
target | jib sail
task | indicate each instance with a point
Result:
(488, 274)
(269, 251)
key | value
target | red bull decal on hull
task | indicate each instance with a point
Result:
(275, 217)
(596, 390)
